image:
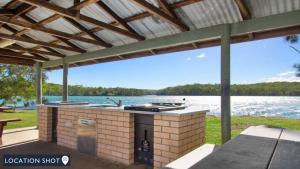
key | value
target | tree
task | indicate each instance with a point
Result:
(17, 82)
(294, 39)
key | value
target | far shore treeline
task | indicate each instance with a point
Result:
(258, 89)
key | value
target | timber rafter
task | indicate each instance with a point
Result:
(15, 13)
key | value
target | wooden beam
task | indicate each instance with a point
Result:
(6, 52)
(18, 61)
(268, 23)
(76, 2)
(116, 17)
(60, 39)
(6, 12)
(33, 41)
(166, 8)
(134, 17)
(88, 32)
(13, 30)
(157, 12)
(25, 8)
(244, 10)
(28, 50)
(11, 4)
(79, 5)
(138, 16)
(201, 44)
(76, 7)
(18, 11)
(181, 4)
(72, 15)
(173, 6)
(22, 9)
(53, 32)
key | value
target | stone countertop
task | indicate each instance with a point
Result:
(188, 110)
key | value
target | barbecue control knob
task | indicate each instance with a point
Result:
(140, 149)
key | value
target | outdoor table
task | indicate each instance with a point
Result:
(3, 122)
(2, 109)
(259, 147)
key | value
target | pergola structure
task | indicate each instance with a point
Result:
(53, 34)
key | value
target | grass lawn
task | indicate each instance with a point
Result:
(213, 126)
(28, 118)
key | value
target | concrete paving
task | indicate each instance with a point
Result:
(78, 160)
(18, 136)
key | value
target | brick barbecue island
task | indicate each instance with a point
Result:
(125, 136)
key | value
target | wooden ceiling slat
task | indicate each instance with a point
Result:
(158, 12)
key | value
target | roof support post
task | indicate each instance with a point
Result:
(38, 86)
(225, 85)
(38, 74)
(65, 82)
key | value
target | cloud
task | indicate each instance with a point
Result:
(201, 56)
(189, 59)
(289, 76)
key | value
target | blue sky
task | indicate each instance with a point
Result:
(251, 62)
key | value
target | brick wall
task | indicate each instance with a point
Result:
(67, 122)
(115, 132)
(116, 136)
(45, 123)
(175, 136)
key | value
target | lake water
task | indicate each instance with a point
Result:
(269, 106)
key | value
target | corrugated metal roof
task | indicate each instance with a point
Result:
(39, 14)
(197, 15)
(123, 8)
(209, 13)
(63, 3)
(261, 8)
(63, 26)
(38, 35)
(152, 27)
(4, 2)
(114, 38)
